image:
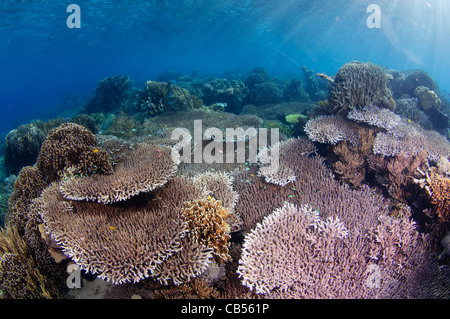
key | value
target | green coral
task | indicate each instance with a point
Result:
(295, 118)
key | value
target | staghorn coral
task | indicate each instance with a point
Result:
(334, 257)
(206, 221)
(144, 168)
(357, 85)
(189, 262)
(314, 184)
(71, 146)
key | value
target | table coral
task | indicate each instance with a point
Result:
(143, 168)
(128, 242)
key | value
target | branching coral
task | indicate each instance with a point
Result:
(159, 97)
(357, 85)
(220, 186)
(375, 116)
(20, 277)
(270, 158)
(27, 187)
(144, 168)
(410, 139)
(314, 184)
(71, 146)
(330, 129)
(438, 188)
(206, 221)
(271, 265)
(333, 257)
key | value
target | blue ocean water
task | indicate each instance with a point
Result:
(43, 62)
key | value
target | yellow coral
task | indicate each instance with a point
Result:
(293, 118)
(206, 222)
(438, 188)
(440, 194)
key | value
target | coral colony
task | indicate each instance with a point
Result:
(334, 189)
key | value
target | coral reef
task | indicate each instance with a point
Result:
(438, 188)
(332, 216)
(375, 116)
(159, 97)
(231, 93)
(139, 236)
(28, 186)
(410, 139)
(265, 93)
(357, 85)
(220, 186)
(294, 91)
(415, 79)
(409, 108)
(110, 93)
(256, 76)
